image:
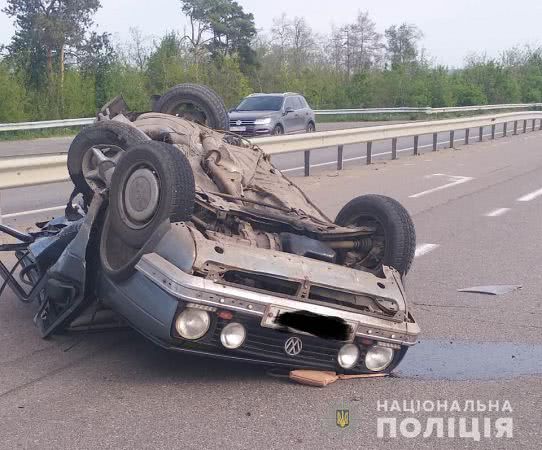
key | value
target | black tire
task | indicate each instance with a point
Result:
(162, 189)
(394, 224)
(102, 133)
(278, 130)
(311, 127)
(202, 97)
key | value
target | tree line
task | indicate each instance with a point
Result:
(57, 66)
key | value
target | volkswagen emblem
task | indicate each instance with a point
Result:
(293, 346)
(238, 123)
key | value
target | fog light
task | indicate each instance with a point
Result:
(233, 335)
(348, 356)
(378, 358)
(193, 323)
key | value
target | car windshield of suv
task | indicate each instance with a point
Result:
(263, 103)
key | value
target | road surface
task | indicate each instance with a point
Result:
(19, 204)
(478, 216)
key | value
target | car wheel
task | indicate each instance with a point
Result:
(196, 103)
(394, 242)
(311, 127)
(278, 130)
(152, 183)
(97, 149)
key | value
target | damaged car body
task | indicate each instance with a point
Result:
(192, 237)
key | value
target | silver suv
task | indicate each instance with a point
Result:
(276, 114)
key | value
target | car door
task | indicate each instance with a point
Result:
(290, 118)
(304, 113)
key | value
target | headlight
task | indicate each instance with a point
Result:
(193, 323)
(348, 356)
(262, 121)
(378, 358)
(233, 335)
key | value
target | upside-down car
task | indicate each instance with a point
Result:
(189, 234)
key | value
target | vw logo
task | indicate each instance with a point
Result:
(293, 346)
(238, 123)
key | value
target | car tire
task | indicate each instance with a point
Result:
(311, 127)
(206, 100)
(394, 225)
(152, 183)
(278, 130)
(110, 133)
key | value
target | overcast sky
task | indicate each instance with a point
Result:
(452, 28)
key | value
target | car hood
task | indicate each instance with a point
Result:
(251, 115)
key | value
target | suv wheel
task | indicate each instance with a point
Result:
(278, 131)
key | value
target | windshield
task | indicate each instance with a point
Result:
(263, 103)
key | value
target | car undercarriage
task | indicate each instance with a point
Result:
(191, 236)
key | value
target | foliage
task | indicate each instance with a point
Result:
(355, 66)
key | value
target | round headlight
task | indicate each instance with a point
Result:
(193, 323)
(378, 358)
(233, 335)
(348, 356)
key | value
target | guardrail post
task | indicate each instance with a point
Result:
(369, 152)
(340, 157)
(467, 136)
(505, 129)
(481, 134)
(435, 141)
(0, 207)
(540, 124)
(493, 131)
(394, 148)
(515, 127)
(307, 163)
(534, 120)
(416, 140)
(452, 135)
(525, 126)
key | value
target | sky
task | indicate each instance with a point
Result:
(452, 29)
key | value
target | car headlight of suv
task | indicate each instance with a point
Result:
(192, 323)
(378, 358)
(262, 121)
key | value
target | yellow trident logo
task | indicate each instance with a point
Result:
(343, 418)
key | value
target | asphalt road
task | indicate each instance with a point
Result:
(478, 216)
(18, 204)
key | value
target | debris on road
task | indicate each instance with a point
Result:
(492, 290)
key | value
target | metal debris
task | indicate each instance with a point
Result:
(492, 290)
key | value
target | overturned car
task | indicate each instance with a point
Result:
(193, 238)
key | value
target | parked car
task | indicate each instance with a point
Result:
(195, 240)
(275, 114)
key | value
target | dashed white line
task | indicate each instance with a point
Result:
(498, 212)
(424, 249)
(531, 196)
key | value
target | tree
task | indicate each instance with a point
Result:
(50, 30)
(402, 44)
(222, 28)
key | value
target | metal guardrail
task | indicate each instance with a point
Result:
(23, 126)
(64, 123)
(427, 110)
(36, 170)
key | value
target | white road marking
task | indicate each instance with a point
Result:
(453, 181)
(531, 196)
(34, 211)
(498, 212)
(424, 249)
(409, 149)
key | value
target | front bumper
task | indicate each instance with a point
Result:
(152, 310)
